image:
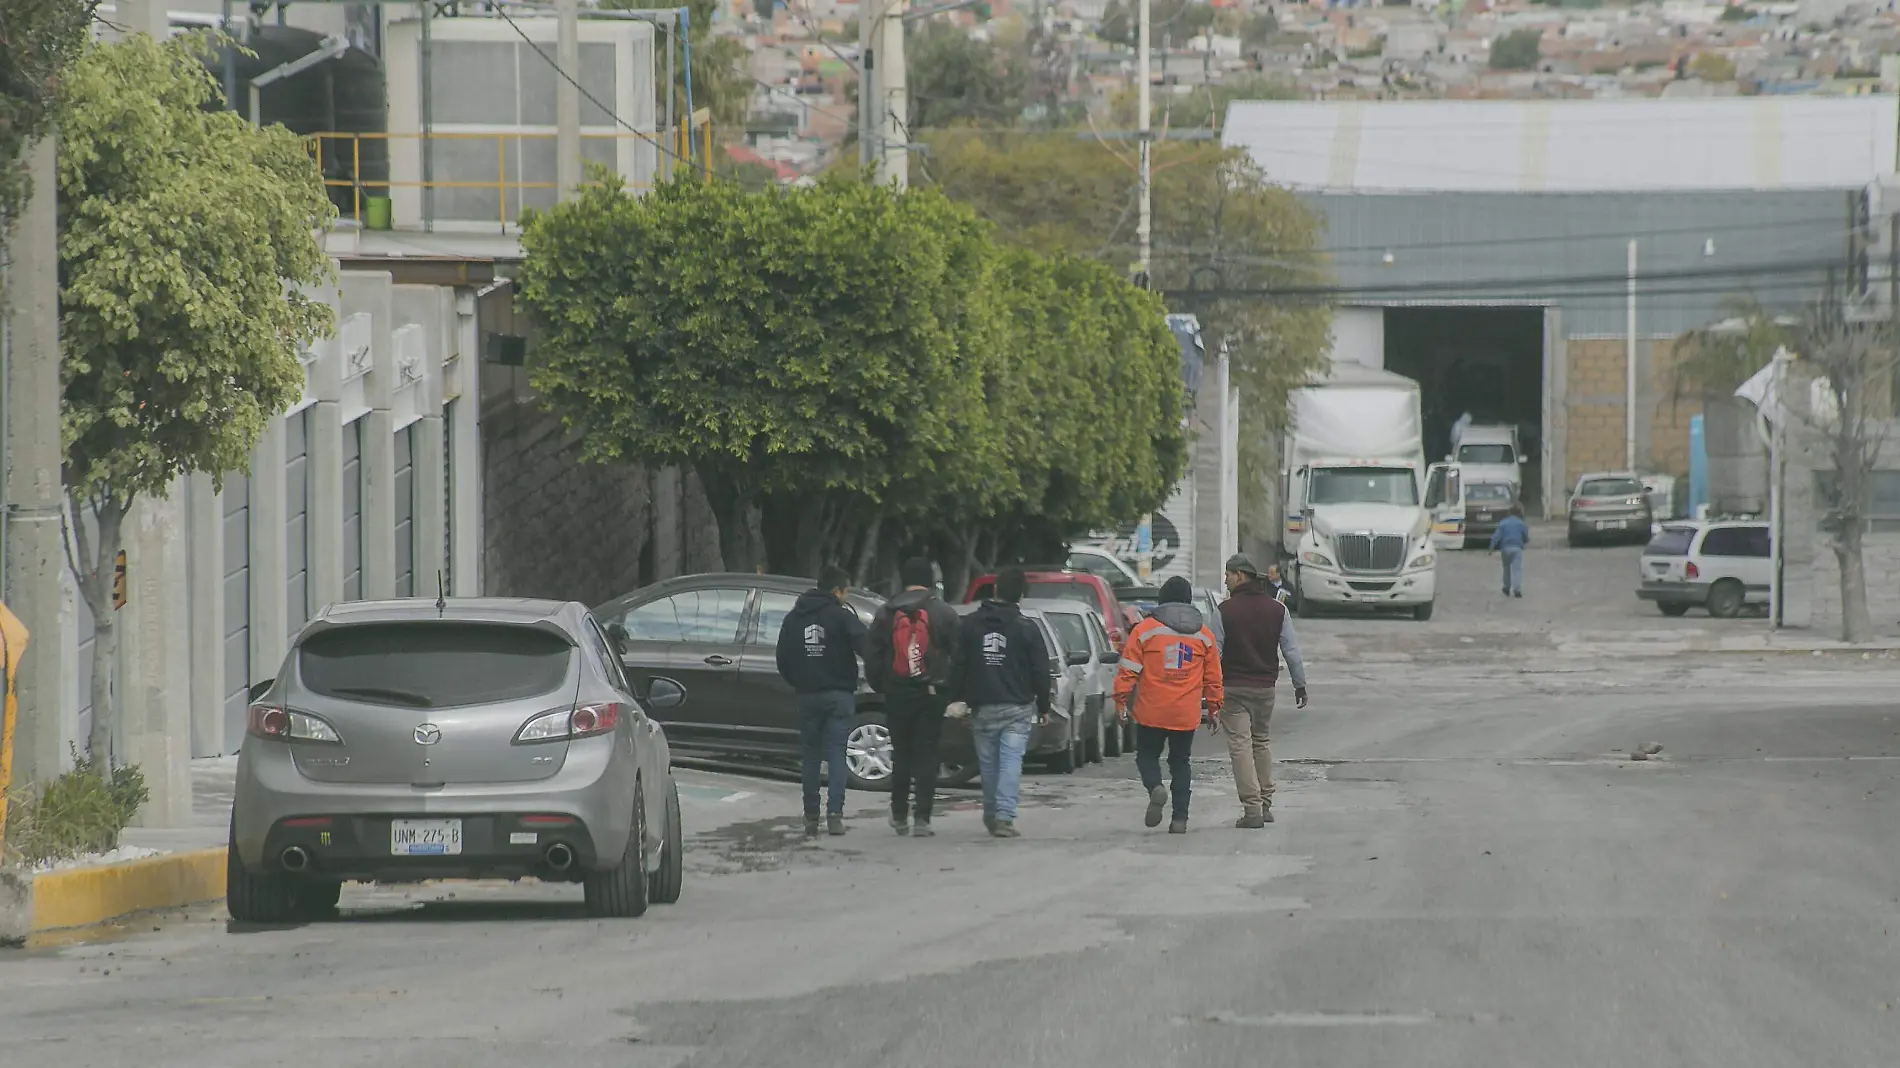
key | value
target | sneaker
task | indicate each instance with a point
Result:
(1266, 814)
(1157, 804)
(811, 826)
(1005, 829)
(835, 825)
(902, 825)
(1177, 827)
(989, 822)
(1251, 822)
(1519, 595)
(1506, 590)
(922, 830)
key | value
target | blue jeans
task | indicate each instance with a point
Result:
(1002, 737)
(1513, 568)
(824, 725)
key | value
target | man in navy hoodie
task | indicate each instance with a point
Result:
(1005, 678)
(818, 657)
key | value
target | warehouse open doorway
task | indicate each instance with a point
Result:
(1488, 362)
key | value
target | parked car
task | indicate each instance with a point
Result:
(1720, 565)
(1486, 505)
(1056, 583)
(1058, 742)
(413, 740)
(1098, 561)
(715, 637)
(1609, 506)
(1093, 658)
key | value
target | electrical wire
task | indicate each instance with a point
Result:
(650, 138)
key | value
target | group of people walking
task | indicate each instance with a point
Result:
(992, 666)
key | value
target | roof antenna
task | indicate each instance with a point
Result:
(441, 594)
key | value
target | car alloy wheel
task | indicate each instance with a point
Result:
(867, 752)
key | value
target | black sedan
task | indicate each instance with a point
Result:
(716, 636)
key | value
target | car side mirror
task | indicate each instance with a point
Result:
(619, 636)
(1523, 460)
(665, 693)
(1081, 659)
(259, 689)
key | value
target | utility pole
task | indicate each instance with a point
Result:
(1629, 369)
(35, 554)
(893, 99)
(567, 98)
(867, 81)
(1144, 222)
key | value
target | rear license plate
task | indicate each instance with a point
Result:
(1609, 524)
(425, 838)
(1369, 597)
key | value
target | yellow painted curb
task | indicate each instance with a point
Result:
(82, 897)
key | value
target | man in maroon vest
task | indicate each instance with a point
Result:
(1258, 634)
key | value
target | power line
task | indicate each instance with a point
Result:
(650, 138)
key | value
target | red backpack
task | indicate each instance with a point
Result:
(910, 643)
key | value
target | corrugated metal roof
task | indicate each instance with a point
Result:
(1538, 146)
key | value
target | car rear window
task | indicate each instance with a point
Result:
(1065, 591)
(1074, 629)
(1670, 541)
(1611, 487)
(433, 665)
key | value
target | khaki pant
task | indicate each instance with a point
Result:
(1245, 718)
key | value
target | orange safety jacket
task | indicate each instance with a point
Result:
(1169, 673)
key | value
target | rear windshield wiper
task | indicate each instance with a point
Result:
(407, 697)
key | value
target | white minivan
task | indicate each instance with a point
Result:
(1718, 564)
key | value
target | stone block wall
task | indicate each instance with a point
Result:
(1880, 557)
(1595, 399)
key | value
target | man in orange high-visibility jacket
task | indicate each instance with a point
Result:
(1170, 668)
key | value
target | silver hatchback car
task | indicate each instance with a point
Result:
(452, 739)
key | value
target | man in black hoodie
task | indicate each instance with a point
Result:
(909, 657)
(818, 656)
(1005, 679)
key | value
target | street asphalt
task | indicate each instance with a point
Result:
(1468, 870)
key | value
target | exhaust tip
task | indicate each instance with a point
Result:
(560, 857)
(295, 859)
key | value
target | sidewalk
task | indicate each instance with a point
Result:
(212, 784)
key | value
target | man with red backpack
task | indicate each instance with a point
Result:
(910, 656)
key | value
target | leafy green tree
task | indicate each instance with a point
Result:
(1118, 23)
(1712, 67)
(37, 41)
(184, 236)
(1225, 240)
(721, 80)
(955, 78)
(1517, 50)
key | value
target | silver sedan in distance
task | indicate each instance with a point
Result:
(473, 738)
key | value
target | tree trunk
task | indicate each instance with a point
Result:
(730, 500)
(1857, 624)
(867, 551)
(96, 556)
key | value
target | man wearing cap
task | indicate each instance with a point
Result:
(1258, 633)
(1170, 672)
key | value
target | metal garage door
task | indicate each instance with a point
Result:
(297, 508)
(406, 511)
(237, 607)
(353, 511)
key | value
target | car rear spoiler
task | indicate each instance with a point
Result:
(545, 626)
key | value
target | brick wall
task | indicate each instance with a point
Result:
(1880, 556)
(1595, 393)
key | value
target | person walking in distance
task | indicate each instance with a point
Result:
(1005, 678)
(818, 657)
(909, 658)
(1259, 634)
(1512, 535)
(1170, 669)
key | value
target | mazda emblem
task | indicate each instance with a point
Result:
(428, 734)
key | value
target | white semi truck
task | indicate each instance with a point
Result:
(1359, 529)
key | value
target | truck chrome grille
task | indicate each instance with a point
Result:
(1370, 552)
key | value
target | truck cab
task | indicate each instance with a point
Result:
(1365, 540)
(1491, 455)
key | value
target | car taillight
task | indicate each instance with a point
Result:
(275, 721)
(1691, 570)
(1586, 502)
(581, 721)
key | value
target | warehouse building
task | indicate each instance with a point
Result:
(1485, 248)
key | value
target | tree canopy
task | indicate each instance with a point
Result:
(184, 235)
(1517, 50)
(37, 41)
(1225, 240)
(852, 372)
